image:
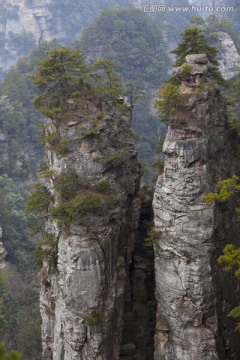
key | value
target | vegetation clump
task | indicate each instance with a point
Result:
(169, 100)
(227, 188)
(230, 259)
(64, 75)
(95, 318)
(195, 42)
(47, 250)
(158, 165)
(39, 200)
(152, 237)
(12, 355)
(116, 159)
(77, 198)
(67, 211)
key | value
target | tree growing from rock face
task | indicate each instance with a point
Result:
(230, 259)
(168, 100)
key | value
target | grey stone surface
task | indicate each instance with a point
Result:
(3, 252)
(195, 158)
(228, 57)
(92, 255)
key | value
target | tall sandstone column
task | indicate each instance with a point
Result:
(197, 156)
(82, 299)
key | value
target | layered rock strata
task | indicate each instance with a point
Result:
(82, 299)
(197, 156)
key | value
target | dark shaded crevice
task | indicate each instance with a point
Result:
(140, 304)
(227, 295)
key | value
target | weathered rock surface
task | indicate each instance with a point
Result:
(3, 252)
(197, 155)
(193, 71)
(228, 57)
(94, 250)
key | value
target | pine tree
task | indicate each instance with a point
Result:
(57, 75)
(64, 74)
(194, 42)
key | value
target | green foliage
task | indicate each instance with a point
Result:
(39, 200)
(13, 355)
(235, 313)
(158, 165)
(103, 186)
(95, 318)
(116, 159)
(152, 237)
(47, 250)
(19, 297)
(227, 188)
(195, 42)
(160, 145)
(109, 88)
(19, 314)
(213, 25)
(53, 141)
(46, 172)
(196, 20)
(169, 99)
(136, 44)
(76, 199)
(186, 70)
(230, 260)
(57, 76)
(65, 75)
(69, 183)
(67, 212)
(137, 47)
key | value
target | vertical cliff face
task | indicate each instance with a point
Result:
(228, 57)
(3, 252)
(197, 155)
(82, 299)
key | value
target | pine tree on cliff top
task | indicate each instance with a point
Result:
(194, 42)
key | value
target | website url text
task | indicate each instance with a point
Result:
(154, 8)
